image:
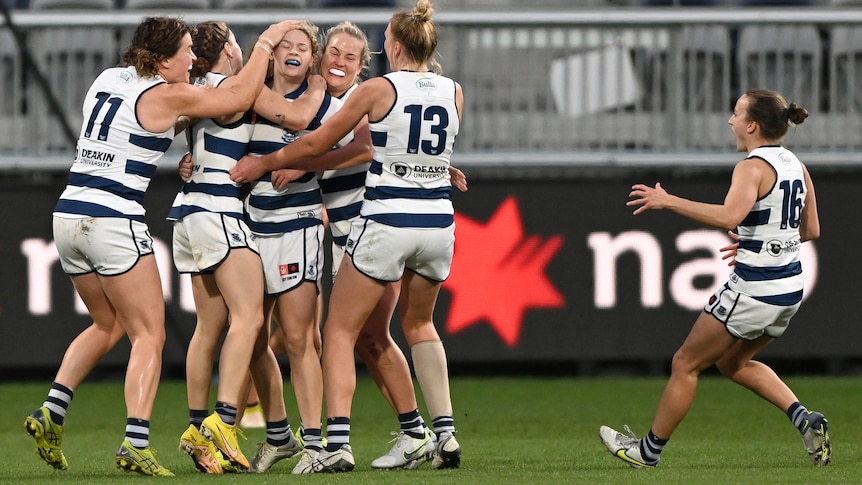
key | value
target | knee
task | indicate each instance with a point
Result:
(372, 343)
(727, 368)
(682, 363)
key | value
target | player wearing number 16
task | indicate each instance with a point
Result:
(406, 228)
(772, 208)
(130, 117)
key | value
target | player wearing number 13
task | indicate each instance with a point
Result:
(406, 228)
(130, 117)
(772, 207)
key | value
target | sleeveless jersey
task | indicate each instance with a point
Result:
(343, 191)
(215, 149)
(408, 181)
(767, 263)
(116, 157)
(299, 205)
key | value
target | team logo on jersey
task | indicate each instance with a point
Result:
(145, 244)
(236, 237)
(721, 310)
(400, 169)
(126, 76)
(426, 85)
(288, 269)
(289, 136)
(305, 215)
(774, 247)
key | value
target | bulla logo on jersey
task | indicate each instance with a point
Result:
(426, 85)
(784, 158)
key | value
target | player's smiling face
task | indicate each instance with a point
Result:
(293, 56)
(341, 62)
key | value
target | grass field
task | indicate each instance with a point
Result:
(512, 430)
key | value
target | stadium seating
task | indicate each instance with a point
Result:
(845, 60)
(167, 4)
(786, 58)
(238, 4)
(71, 4)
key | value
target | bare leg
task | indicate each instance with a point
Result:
(297, 318)
(706, 343)
(382, 356)
(96, 340)
(137, 297)
(240, 279)
(755, 376)
(354, 296)
(211, 323)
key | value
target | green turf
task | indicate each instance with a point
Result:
(512, 430)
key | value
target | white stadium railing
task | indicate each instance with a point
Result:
(588, 86)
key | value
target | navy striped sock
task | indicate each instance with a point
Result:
(138, 432)
(651, 447)
(58, 401)
(337, 432)
(226, 412)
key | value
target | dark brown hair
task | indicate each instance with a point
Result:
(771, 112)
(155, 39)
(208, 40)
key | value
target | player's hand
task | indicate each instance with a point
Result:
(647, 197)
(185, 167)
(247, 169)
(316, 83)
(273, 35)
(283, 176)
(729, 251)
(457, 179)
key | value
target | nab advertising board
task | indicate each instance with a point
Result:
(550, 271)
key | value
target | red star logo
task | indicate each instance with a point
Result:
(498, 273)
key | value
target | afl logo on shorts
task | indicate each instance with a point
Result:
(400, 169)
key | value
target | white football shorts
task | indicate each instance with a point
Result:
(202, 240)
(383, 252)
(291, 258)
(109, 246)
(747, 318)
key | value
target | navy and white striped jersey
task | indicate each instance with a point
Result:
(116, 157)
(215, 149)
(343, 191)
(300, 204)
(767, 261)
(408, 181)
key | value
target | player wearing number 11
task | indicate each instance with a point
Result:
(772, 207)
(130, 117)
(406, 228)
